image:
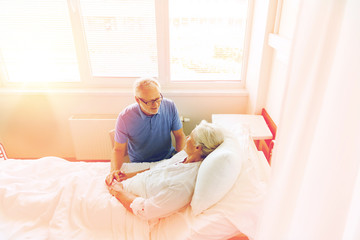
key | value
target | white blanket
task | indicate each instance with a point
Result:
(51, 198)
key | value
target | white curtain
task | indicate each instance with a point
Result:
(315, 187)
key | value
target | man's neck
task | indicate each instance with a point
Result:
(147, 114)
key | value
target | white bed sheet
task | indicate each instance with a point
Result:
(51, 198)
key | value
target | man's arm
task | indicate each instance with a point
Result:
(117, 156)
(117, 160)
(179, 139)
(123, 175)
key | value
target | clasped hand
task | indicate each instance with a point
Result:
(115, 189)
(116, 175)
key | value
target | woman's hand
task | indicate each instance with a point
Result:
(117, 175)
(115, 188)
(125, 198)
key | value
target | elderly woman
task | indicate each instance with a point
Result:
(168, 186)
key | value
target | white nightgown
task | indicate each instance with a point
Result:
(164, 189)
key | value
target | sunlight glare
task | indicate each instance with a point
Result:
(39, 44)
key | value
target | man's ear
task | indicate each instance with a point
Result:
(137, 100)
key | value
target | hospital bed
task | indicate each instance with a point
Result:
(51, 198)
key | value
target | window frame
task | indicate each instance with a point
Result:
(87, 80)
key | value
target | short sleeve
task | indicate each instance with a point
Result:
(120, 131)
(168, 201)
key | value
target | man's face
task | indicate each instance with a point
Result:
(149, 100)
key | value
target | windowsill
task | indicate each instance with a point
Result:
(123, 92)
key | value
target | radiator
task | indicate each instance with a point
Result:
(90, 134)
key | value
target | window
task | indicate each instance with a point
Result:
(36, 43)
(121, 37)
(111, 42)
(206, 39)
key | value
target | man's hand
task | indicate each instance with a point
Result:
(117, 175)
(120, 176)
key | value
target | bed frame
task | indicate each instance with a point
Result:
(3, 155)
(239, 237)
(266, 146)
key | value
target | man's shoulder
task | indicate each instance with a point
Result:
(129, 110)
(168, 103)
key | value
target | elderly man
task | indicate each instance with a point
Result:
(143, 129)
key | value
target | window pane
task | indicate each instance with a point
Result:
(36, 43)
(207, 39)
(121, 37)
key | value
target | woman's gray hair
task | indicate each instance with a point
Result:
(145, 82)
(209, 136)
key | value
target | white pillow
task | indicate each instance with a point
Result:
(241, 207)
(217, 174)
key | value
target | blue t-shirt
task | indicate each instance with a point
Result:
(148, 137)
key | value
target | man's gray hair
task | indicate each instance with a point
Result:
(209, 136)
(145, 82)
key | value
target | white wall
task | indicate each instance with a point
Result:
(278, 74)
(34, 124)
(260, 56)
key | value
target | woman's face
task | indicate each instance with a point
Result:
(190, 146)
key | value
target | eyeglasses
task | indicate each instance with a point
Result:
(150, 103)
